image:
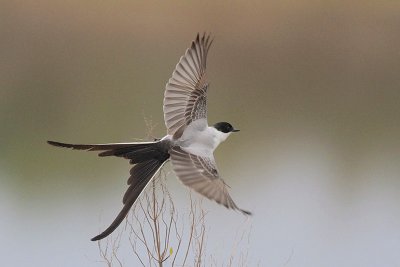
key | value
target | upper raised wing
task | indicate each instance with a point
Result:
(185, 97)
(201, 174)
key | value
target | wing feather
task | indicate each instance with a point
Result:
(187, 88)
(201, 175)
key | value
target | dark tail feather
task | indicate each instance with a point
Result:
(148, 157)
(136, 152)
(93, 147)
(141, 174)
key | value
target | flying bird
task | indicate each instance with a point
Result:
(189, 143)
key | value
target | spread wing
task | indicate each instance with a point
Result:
(201, 175)
(185, 97)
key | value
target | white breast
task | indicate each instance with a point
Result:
(201, 141)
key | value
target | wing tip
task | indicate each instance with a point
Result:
(206, 39)
(246, 213)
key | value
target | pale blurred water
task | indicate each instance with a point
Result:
(314, 88)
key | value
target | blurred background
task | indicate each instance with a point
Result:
(314, 87)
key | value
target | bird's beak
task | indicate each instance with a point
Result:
(235, 130)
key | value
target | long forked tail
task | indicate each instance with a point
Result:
(142, 173)
(135, 152)
(148, 158)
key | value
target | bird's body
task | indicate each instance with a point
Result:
(199, 138)
(189, 144)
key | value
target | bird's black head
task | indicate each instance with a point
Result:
(225, 127)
